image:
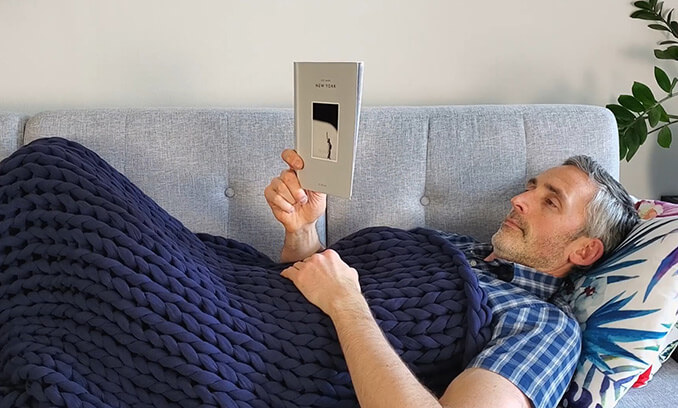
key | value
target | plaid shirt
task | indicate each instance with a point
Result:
(536, 340)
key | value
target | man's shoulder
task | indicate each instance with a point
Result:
(508, 298)
(540, 316)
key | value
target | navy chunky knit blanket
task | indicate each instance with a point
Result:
(106, 300)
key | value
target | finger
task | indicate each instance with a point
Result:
(285, 185)
(289, 177)
(292, 158)
(287, 273)
(278, 195)
(290, 272)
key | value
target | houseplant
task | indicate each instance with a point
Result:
(642, 113)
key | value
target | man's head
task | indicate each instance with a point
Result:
(568, 216)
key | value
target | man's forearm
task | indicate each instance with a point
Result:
(379, 376)
(300, 244)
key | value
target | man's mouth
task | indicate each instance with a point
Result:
(511, 224)
(514, 223)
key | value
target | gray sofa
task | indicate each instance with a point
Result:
(448, 167)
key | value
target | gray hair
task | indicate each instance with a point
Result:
(610, 215)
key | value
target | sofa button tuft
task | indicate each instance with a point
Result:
(424, 201)
(229, 192)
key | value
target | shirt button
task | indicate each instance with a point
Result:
(473, 262)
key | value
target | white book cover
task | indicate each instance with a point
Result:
(326, 116)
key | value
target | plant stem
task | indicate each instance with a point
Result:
(643, 116)
(662, 126)
(666, 22)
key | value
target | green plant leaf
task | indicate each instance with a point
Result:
(643, 5)
(664, 137)
(645, 15)
(636, 134)
(663, 117)
(632, 137)
(632, 144)
(662, 79)
(631, 151)
(631, 103)
(669, 53)
(622, 148)
(623, 115)
(674, 28)
(668, 42)
(659, 27)
(643, 93)
(654, 115)
(641, 131)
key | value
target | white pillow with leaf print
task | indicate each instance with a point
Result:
(625, 306)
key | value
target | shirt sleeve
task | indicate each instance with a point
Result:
(536, 347)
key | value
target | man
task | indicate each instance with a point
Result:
(566, 219)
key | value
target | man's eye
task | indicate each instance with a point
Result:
(551, 203)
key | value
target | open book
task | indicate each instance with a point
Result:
(326, 115)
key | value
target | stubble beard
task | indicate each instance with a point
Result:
(517, 245)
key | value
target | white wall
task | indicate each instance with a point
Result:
(140, 53)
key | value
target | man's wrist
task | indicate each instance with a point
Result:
(300, 244)
(349, 306)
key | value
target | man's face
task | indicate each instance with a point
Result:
(542, 228)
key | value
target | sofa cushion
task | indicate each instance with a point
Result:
(206, 167)
(11, 132)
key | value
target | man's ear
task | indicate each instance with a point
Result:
(588, 252)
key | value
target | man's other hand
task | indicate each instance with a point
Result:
(293, 206)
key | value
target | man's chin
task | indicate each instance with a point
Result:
(504, 233)
(501, 242)
(497, 239)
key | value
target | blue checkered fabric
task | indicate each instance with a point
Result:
(536, 340)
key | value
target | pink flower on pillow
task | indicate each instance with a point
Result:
(648, 209)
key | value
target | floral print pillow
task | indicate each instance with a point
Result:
(626, 306)
(649, 209)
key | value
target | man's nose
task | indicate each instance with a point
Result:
(520, 202)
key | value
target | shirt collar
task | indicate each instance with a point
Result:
(534, 281)
(538, 283)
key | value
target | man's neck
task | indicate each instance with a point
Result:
(559, 272)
